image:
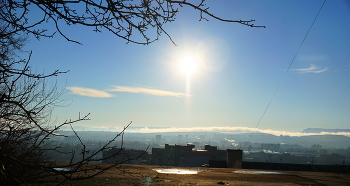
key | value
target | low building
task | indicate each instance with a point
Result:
(169, 155)
(186, 155)
(234, 158)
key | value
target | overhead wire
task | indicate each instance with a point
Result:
(285, 74)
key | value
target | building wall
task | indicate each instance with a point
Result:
(184, 155)
(234, 158)
(163, 157)
(194, 158)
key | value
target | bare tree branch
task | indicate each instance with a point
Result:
(125, 19)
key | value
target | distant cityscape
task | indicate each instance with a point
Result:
(313, 149)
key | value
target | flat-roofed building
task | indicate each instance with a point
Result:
(186, 155)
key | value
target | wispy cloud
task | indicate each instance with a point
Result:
(150, 91)
(238, 130)
(348, 65)
(89, 92)
(313, 69)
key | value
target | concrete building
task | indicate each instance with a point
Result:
(186, 155)
(234, 158)
(169, 155)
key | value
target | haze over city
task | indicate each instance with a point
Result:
(235, 72)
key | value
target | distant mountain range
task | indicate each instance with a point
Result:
(318, 130)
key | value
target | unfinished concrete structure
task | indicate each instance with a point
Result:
(234, 158)
(186, 155)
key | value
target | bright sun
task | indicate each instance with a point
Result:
(188, 65)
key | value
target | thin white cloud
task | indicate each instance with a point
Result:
(89, 92)
(150, 91)
(238, 130)
(313, 69)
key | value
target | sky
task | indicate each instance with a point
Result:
(238, 70)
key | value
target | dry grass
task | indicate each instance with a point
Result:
(138, 175)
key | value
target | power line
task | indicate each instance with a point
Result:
(285, 74)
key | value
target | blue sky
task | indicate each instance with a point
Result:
(238, 70)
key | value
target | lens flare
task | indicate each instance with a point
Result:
(148, 180)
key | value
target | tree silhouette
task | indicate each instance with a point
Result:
(26, 102)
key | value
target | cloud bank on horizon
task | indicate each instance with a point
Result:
(209, 129)
(238, 130)
(313, 69)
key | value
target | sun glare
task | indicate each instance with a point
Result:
(188, 65)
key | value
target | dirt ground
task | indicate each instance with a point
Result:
(145, 175)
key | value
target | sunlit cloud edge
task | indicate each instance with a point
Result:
(89, 92)
(149, 91)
